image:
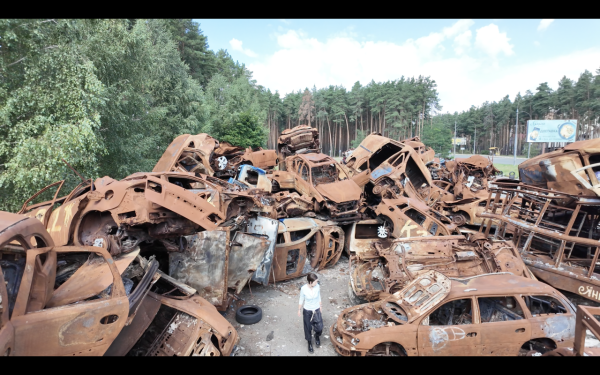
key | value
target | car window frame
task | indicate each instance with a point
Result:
(474, 310)
(520, 301)
(531, 316)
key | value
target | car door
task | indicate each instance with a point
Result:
(451, 330)
(550, 317)
(268, 227)
(302, 178)
(504, 326)
(83, 328)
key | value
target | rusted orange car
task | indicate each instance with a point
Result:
(301, 139)
(78, 300)
(202, 154)
(494, 314)
(407, 217)
(393, 169)
(427, 153)
(320, 179)
(118, 215)
(574, 169)
(386, 267)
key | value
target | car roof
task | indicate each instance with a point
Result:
(497, 284)
(314, 158)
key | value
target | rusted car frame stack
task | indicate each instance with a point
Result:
(444, 257)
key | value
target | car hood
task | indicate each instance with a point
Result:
(341, 191)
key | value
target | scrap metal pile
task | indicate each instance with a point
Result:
(142, 266)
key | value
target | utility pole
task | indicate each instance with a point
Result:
(516, 129)
(475, 140)
(454, 139)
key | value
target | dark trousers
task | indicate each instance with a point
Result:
(312, 321)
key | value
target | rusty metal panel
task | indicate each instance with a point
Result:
(131, 333)
(89, 280)
(268, 227)
(246, 254)
(182, 202)
(203, 264)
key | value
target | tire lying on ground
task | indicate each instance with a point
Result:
(248, 314)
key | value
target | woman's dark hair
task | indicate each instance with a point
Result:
(311, 277)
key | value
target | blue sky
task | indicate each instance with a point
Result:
(472, 61)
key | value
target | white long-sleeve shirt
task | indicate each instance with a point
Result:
(310, 297)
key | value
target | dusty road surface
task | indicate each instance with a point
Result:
(280, 315)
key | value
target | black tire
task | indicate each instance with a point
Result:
(248, 314)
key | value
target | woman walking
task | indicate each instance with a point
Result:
(310, 296)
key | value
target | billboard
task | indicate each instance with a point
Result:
(551, 130)
(459, 141)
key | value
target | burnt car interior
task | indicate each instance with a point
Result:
(326, 174)
(543, 305)
(451, 313)
(366, 231)
(499, 309)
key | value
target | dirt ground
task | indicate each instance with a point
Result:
(280, 315)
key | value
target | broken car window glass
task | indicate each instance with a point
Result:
(455, 312)
(539, 305)
(499, 309)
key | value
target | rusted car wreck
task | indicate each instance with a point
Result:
(202, 154)
(301, 139)
(78, 300)
(492, 314)
(384, 268)
(319, 179)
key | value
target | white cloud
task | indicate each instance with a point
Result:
(458, 28)
(544, 24)
(236, 45)
(462, 42)
(536, 43)
(491, 41)
(463, 79)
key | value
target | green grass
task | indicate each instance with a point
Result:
(507, 168)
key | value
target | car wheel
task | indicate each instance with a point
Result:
(387, 349)
(248, 314)
(354, 299)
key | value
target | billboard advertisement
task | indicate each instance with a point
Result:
(459, 141)
(551, 130)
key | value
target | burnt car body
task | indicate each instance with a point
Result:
(559, 244)
(573, 169)
(427, 154)
(170, 215)
(407, 217)
(78, 300)
(393, 169)
(300, 139)
(496, 314)
(318, 178)
(387, 267)
(305, 245)
(469, 176)
(202, 154)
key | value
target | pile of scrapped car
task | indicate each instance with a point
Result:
(446, 258)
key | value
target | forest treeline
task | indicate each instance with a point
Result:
(109, 96)
(492, 124)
